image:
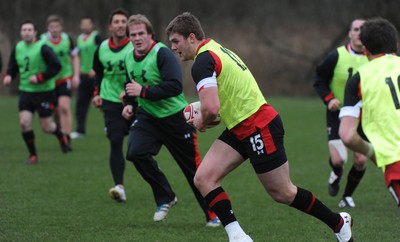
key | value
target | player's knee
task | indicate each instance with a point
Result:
(339, 162)
(48, 127)
(203, 183)
(64, 109)
(338, 152)
(360, 164)
(284, 196)
(115, 138)
(136, 154)
(25, 124)
(197, 180)
(347, 138)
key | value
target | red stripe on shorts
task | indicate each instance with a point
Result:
(268, 140)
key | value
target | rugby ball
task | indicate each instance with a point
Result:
(194, 109)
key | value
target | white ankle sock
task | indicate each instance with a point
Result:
(233, 229)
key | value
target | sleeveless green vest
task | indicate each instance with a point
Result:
(114, 74)
(346, 66)
(380, 90)
(236, 78)
(87, 47)
(30, 62)
(146, 73)
(62, 50)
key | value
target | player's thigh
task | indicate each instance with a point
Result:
(337, 151)
(45, 103)
(64, 89)
(268, 157)
(113, 120)
(180, 139)
(116, 126)
(144, 138)
(64, 102)
(219, 160)
(265, 147)
(63, 92)
(86, 87)
(26, 102)
(332, 124)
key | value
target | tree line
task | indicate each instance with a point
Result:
(281, 41)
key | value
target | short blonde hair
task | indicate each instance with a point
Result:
(141, 19)
(54, 18)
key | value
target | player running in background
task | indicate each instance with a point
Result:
(376, 90)
(68, 77)
(36, 64)
(330, 80)
(87, 43)
(155, 78)
(109, 66)
(225, 85)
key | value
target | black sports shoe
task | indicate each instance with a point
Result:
(65, 144)
(333, 184)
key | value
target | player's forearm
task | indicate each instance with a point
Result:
(52, 62)
(321, 86)
(165, 89)
(12, 68)
(350, 137)
(76, 65)
(99, 72)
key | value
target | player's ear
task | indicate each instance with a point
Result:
(192, 38)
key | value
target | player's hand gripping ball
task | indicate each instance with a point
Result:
(194, 109)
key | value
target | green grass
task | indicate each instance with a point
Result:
(64, 198)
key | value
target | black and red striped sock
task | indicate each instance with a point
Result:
(220, 203)
(29, 138)
(306, 202)
(57, 132)
(353, 179)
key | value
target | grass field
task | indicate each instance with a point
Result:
(64, 198)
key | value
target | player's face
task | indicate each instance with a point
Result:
(28, 32)
(140, 39)
(118, 26)
(182, 47)
(55, 29)
(354, 33)
(86, 25)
